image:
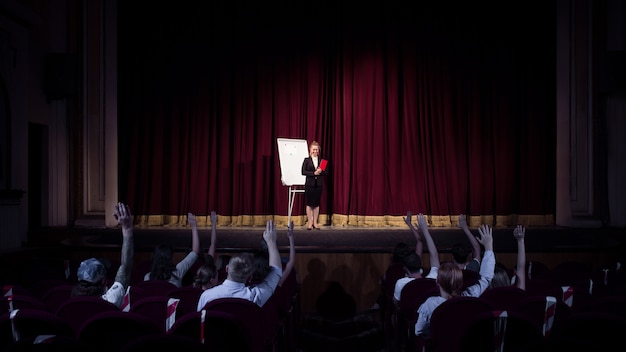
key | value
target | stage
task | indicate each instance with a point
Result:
(330, 239)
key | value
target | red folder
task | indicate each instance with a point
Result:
(323, 164)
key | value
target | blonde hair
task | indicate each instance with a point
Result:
(316, 144)
(450, 278)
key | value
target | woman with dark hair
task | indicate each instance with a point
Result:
(206, 276)
(163, 267)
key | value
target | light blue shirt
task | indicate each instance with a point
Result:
(258, 294)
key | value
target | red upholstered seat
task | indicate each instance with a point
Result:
(258, 332)
(450, 320)
(76, 310)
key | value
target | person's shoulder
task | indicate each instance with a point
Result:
(403, 281)
(431, 303)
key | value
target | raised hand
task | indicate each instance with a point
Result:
(408, 219)
(422, 222)
(463, 222)
(270, 232)
(191, 219)
(486, 236)
(123, 216)
(519, 232)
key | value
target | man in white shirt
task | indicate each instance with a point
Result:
(240, 268)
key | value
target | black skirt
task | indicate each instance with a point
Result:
(312, 196)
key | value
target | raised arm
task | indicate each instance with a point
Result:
(213, 246)
(433, 254)
(124, 218)
(472, 239)
(269, 235)
(292, 255)
(419, 246)
(195, 238)
(520, 232)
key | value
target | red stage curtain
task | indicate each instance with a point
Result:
(412, 114)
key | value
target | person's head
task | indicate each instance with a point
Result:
(413, 263)
(162, 262)
(500, 277)
(91, 275)
(460, 253)
(314, 149)
(206, 276)
(450, 278)
(400, 250)
(240, 267)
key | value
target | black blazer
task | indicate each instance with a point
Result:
(308, 170)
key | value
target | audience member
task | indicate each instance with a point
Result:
(396, 268)
(163, 267)
(450, 280)
(206, 276)
(241, 267)
(413, 261)
(461, 252)
(501, 275)
(91, 272)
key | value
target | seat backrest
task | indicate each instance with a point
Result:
(78, 309)
(157, 309)
(30, 323)
(164, 342)
(16, 289)
(150, 288)
(543, 287)
(21, 301)
(188, 296)
(500, 331)
(413, 294)
(451, 319)
(602, 330)
(251, 316)
(40, 287)
(110, 331)
(536, 269)
(504, 297)
(534, 307)
(56, 295)
(222, 331)
(615, 304)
